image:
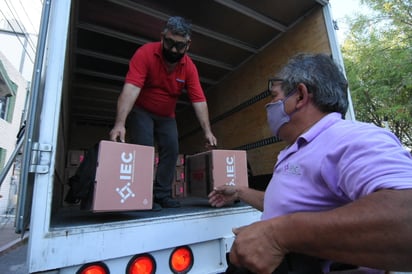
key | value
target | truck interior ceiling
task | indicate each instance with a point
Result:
(225, 35)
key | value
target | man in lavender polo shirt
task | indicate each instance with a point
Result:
(341, 190)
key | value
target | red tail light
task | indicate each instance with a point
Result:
(141, 264)
(181, 260)
(94, 268)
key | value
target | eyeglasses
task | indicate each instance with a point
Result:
(170, 43)
(272, 82)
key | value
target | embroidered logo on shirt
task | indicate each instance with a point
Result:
(180, 80)
(290, 168)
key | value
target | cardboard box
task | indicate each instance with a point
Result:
(213, 168)
(156, 159)
(179, 162)
(179, 189)
(180, 173)
(124, 177)
(74, 157)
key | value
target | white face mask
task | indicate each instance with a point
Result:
(276, 115)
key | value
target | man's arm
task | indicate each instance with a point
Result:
(202, 114)
(223, 195)
(125, 104)
(375, 231)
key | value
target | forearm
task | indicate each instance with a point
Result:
(251, 196)
(375, 231)
(202, 115)
(125, 103)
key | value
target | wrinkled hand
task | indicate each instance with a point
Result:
(223, 195)
(118, 132)
(256, 249)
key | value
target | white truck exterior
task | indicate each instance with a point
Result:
(62, 238)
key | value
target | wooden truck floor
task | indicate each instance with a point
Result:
(73, 216)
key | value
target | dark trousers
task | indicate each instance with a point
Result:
(148, 129)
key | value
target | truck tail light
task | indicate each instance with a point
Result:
(141, 264)
(181, 260)
(94, 268)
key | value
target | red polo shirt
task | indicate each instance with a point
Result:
(159, 89)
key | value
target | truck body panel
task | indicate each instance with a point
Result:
(78, 237)
(87, 45)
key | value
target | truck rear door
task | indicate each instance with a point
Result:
(39, 150)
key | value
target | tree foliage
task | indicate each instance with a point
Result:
(378, 60)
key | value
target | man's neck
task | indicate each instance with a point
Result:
(170, 67)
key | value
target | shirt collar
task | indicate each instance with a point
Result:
(320, 126)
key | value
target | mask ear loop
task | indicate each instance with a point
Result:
(287, 97)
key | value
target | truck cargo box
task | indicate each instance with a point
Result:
(213, 168)
(83, 54)
(124, 177)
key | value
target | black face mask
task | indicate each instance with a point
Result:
(172, 57)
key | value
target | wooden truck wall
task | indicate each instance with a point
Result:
(236, 106)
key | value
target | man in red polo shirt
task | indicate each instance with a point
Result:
(158, 73)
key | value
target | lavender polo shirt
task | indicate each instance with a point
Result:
(335, 162)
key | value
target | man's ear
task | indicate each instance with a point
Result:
(303, 95)
(188, 44)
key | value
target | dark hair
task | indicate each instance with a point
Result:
(323, 78)
(178, 25)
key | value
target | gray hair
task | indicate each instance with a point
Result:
(323, 78)
(178, 26)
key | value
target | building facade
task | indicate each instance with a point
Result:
(13, 97)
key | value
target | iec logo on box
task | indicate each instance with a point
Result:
(126, 175)
(230, 171)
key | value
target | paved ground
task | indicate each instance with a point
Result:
(13, 249)
(8, 237)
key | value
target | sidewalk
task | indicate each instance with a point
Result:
(8, 237)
